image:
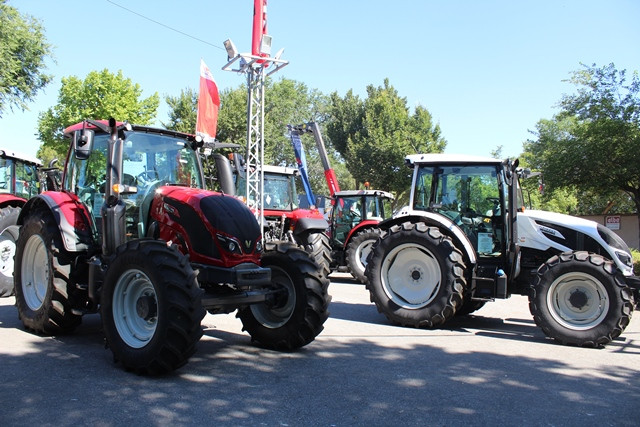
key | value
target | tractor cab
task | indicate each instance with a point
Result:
(353, 207)
(19, 175)
(472, 196)
(149, 160)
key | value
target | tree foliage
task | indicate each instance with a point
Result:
(592, 144)
(23, 50)
(100, 95)
(375, 134)
(182, 111)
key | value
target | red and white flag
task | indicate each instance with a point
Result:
(208, 105)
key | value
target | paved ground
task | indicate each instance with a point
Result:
(494, 368)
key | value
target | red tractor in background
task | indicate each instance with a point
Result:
(20, 180)
(354, 216)
(354, 219)
(133, 234)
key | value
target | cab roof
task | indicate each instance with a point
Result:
(440, 158)
(20, 157)
(351, 193)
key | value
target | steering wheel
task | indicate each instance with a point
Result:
(146, 177)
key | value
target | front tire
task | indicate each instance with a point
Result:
(316, 244)
(151, 307)
(42, 277)
(358, 250)
(416, 275)
(297, 314)
(580, 298)
(8, 236)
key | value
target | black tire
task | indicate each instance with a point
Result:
(580, 298)
(316, 244)
(427, 275)
(358, 250)
(8, 236)
(469, 306)
(297, 315)
(151, 307)
(42, 277)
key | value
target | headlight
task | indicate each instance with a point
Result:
(625, 258)
(230, 244)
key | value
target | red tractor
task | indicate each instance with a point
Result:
(354, 219)
(354, 214)
(19, 181)
(133, 235)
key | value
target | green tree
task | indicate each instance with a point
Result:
(183, 111)
(100, 95)
(592, 144)
(23, 50)
(374, 136)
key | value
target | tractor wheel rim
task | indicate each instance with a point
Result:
(276, 316)
(34, 272)
(135, 307)
(578, 301)
(7, 253)
(362, 253)
(411, 276)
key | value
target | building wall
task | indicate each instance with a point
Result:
(627, 226)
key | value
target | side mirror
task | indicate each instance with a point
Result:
(82, 143)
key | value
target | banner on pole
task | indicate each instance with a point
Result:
(208, 105)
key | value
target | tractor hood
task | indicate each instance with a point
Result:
(545, 230)
(212, 224)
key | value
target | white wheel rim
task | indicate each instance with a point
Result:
(34, 272)
(273, 317)
(578, 301)
(7, 251)
(362, 253)
(411, 276)
(135, 308)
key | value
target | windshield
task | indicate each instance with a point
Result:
(24, 184)
(470, 196)
(279, 191)
(150, 160)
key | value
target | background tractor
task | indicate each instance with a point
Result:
(354, 214)
(132, 234)
(466, 239)
(20, 179)
(354, 219)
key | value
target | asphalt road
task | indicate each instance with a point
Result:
(493, 368)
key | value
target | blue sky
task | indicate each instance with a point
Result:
(486, 70)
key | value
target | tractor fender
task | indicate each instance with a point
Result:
(445, 225)
(11, 200)
(72, 217)
(367, 223)
(305, 224)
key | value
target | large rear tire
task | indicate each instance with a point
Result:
(42, 277)
(358, 250)
(296, 315)
(151, 307)
(8, 236)
(580, 298)
(416, 275)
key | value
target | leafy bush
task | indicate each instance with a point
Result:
(636, 261)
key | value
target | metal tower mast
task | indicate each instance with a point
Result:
(255, 66)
